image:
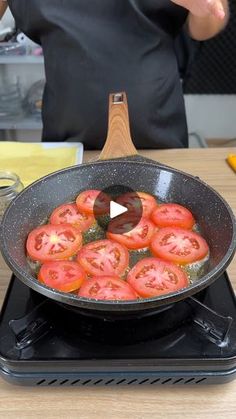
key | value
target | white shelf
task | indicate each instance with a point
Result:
(21, 59)
(25, 123)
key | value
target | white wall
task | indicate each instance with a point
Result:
(214, 116)
(8, 19)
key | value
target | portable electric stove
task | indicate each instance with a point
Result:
(191, 342)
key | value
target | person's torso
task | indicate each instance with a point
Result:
(94, 47)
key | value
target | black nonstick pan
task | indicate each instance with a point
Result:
(119, 164)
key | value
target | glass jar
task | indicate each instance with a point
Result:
(10, 186)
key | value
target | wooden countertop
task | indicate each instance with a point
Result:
(218, 401)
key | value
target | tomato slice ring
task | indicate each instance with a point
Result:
(138, 237)
(107, 288)
(133, 201)
(179, 245)
(103, 257)
(69, 214)
(152, 277)
(62, 275)
(172, 215)
(49, 242)
(93, 202)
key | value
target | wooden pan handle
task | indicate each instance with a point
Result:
(118, 142)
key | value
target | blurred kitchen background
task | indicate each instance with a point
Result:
(207, 70)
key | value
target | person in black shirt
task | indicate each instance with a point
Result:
(93, 48)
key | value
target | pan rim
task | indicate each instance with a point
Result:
(105, 305)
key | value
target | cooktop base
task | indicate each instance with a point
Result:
(191, 342)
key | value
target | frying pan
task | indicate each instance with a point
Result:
(119, 164)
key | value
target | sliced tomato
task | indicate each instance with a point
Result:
(134, 236)
(179, 245)
(103, 257)
(69, 214)
(151, 277)
(49, 242)
(93, 201)
(134, 200)
(107, 288)
(172, 215)
(62, 275)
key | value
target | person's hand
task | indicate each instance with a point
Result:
(203, 8)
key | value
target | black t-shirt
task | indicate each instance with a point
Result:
(96, 47)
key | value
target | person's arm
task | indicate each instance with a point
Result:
(3, 7)
(206, 17)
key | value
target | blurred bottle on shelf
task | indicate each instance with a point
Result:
(33, 99)
(11, 98)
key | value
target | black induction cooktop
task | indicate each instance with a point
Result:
(190, 342)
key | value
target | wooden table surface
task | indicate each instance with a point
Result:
(218, 401)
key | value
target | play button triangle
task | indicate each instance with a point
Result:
(116, 209)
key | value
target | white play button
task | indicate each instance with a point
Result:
(116, 209)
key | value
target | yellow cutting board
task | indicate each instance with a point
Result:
(31, 161)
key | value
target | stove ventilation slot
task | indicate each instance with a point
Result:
(120, 381)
